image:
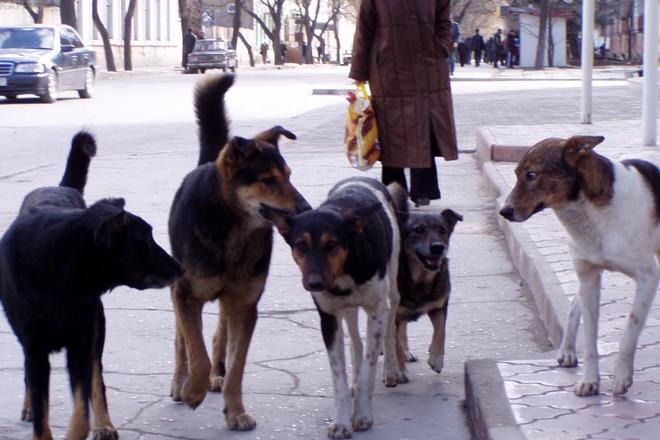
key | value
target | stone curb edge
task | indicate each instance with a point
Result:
(484, 390)
(544, 286)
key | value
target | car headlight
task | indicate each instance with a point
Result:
(30, 68)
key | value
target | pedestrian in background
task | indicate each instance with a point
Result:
(455, 35)
(511, 48)
(283, 51)
(320, 50)
(490, 50)
(516, 49)
(498, 47)
(189, 40)
(477, 47)
(263, 49)
(303, 50)
(462, 53)
(403, 54)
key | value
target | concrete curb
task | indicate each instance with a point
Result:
(484, 390)
(544, 286)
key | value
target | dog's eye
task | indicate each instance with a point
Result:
(269, 181)
(331, 245)
(419, 229)
(531, 175)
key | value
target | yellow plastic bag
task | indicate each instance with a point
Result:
(361, 138)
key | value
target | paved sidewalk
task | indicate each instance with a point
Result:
(539, 393)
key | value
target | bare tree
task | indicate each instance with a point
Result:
(275, 10)
(543, 29)
(38, 14)
(190, 13)
(68, 13)
(248, 47)
(236, 31)
(128, 34)
(107, 48)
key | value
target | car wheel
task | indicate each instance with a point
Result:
(52, 89)
(90, 80)
(202, 70)
(11, 98)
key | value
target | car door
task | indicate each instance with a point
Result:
(67, 60)
(82, 55)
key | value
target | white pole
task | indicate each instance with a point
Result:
(588, 19)
(649, 98)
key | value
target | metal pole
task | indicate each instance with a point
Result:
(588, 19)
(649, 98)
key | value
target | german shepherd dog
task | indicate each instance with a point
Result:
(348, 253)
(424, 281)
(611, 211)
(225, 246)
(56, 260)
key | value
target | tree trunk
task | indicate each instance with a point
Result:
(543, 27)
(128, 34)
(248, 47)
(68, 13)
(109, 56)
(236, 23)
(38, 15)
(336, 20)
(190, 13)
(551, 43)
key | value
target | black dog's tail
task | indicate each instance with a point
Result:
(400, 198)
(83, 148)
(212, 116)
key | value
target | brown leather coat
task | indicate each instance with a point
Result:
(401, 48)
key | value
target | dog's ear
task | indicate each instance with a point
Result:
(577, 147)
(356, 218)
(451, 218)
(272, 135)
(109, 226)
(244, 147)
(117, 202)
(281, 218)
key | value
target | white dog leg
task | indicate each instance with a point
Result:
(341, 428)
(363, 409)
(392, 375)
(567, 356)
(647, 285)
(589, 295)
(351, 317)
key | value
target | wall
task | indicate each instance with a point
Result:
(529, 30)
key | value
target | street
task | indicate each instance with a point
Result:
(147, 142)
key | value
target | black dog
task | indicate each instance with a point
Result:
(56, 260)
(424, 281)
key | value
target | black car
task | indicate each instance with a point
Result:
(212, 54)
(44, 61)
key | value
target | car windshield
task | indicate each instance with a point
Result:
(26, 38)
(209, 45)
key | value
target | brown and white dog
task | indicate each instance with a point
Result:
(611, 211)
(214, 224)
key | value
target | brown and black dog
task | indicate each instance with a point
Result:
(225, 246)
(424, 281)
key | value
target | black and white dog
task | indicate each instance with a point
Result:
(348, 253)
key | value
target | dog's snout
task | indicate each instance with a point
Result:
(507, 212)
(437, 248)
(314, 282)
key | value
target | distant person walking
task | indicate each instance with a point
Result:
(189, 40)
(511, 48)
(477, 47)
(303, 50)
(320, 49)
(411, 94)
(463, 50)
(455, 36)
(498, 47)
(283, 51)
(263, 50)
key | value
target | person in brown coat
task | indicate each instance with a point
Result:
(401, 48)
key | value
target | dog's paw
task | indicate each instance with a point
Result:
(337, 430)
(567, 358)
(176, 387)
(216, 383)
(393, 378)
(106, 433)
(621, 384)
(26, 415)
(586, 388)
(409, 356)
(193, 394)
(362, 423)
(436, 362)
(241, 422)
